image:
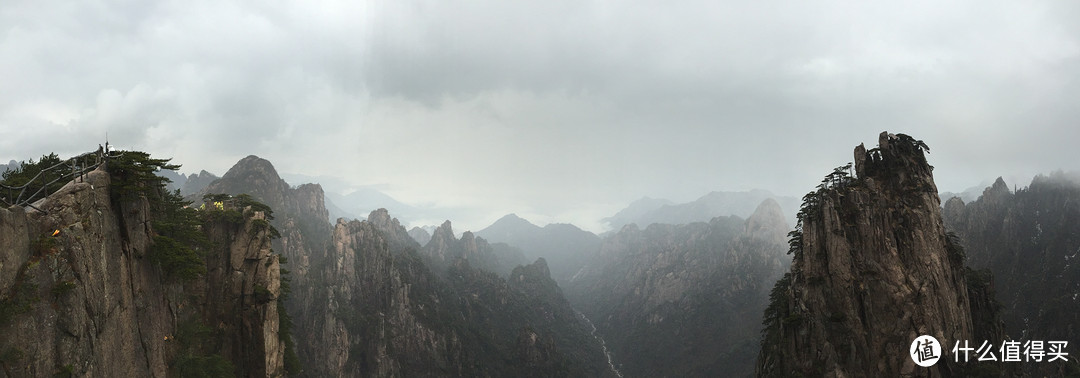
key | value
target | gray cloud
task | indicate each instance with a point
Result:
(559, 111)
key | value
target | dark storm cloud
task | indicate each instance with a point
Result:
(558, 110)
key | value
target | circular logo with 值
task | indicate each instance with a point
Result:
(925, 351)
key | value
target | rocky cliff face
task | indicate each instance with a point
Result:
(1029, 241)
(242, 268)
(372, 326)
(81, 293)
(873, 270)
(301, 218)
(390, 315)
(684, 300)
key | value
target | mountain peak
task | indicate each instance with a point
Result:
(395, 234)
(255, 176)
(537, 271)
(888, 217)
(543, 265)
(253, 164)
(509, 227)
(379, 217)
(768, 207)
(767, 222)
(996, 191)
(535, 279)
(513, 219)
(420, 235)
(444, 232)
(999, 186)
(899, 162)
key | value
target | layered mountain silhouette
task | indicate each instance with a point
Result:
(371, 301)
(365, 200)
(564, 246)
(637, 212)
(646, 211)
(196, 182)
(421, 235)
(187, 184)
(714, 287)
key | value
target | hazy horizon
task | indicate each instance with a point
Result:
(559, 112)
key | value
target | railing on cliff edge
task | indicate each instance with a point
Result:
(74, 168)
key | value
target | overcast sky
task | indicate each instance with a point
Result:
(555, 110)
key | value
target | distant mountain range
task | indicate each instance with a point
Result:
(636, 212)
(337, 212)
(11, 165)
(365, 200)
(356, 202)
(647, 210)
(188, 184)
(973, 193)
(421, 235)
(567, 248)
(564, 246)
(642, 212)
